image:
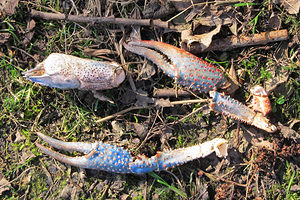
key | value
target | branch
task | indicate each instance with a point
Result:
(100, 20)
(147, 107)
(230, 43)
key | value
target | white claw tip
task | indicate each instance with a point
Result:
(221, 148)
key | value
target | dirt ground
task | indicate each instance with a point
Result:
(259, 39)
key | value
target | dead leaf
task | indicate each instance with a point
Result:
(19, 137)
(147, 71)
(30, 25)
(7, 7)
(157, 9)
(234, 83)
(193, 13)
(4, 37)
(140, 129)
(279, 76)
(233, 28)
(117, 127)
(163, 103)
(184, 4)
(98, 52)
(292, 6)
(257, 139)
(204, 39)
(274, 21)
(213, 20)
(143, 99)
(26, 179)
(124, 196)
(66, 192)
(29, 31)
(26, 154)
(4, 184)
(102, 97)
(289, 133)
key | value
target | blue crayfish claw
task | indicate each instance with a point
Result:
(111, 158)
(226, 105)
(68, 72)
(98, 155)
(187, 69)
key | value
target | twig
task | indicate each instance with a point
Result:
(148, 133)
(230, 43)
(189, 101)
(122, 112)
(170, 92)
(101, 20)
(18, 177)
(147, 107)
(195, 111)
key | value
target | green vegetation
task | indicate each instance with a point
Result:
(71, 115)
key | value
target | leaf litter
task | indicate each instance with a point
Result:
(253, 170)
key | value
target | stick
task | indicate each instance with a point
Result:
(230, 43)
(100, 20)
(170, 92)
(146, 107)
(121, 112)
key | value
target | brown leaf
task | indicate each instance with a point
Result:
(4, 37)
(146, 72)
(97, 52)
(157, 9)
(274, 21)
(289, 133)
(30, 25)
(8, 6)
(204, 39)
(292, 6)
(29, 31)
(19, 137)
(143, 99)
(163, 103)
(212, 20)
(183, 4)
(26, 154)
(233, 28)
(4, 184)
(140, 129)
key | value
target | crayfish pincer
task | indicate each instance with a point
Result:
(70, 72)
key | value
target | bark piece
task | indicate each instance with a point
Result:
(229, 43)
(103, 20)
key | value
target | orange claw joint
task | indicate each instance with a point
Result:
(187, 69)
(111, 158)
(260, 101)
(226, 105)
(69, 72)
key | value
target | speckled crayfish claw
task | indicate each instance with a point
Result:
(226, 105)
(68, 72)
(187, 70)
(111, 158)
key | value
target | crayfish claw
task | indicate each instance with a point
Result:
(67, 146)
(187, 69)
(69, 72)
(74, 161)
